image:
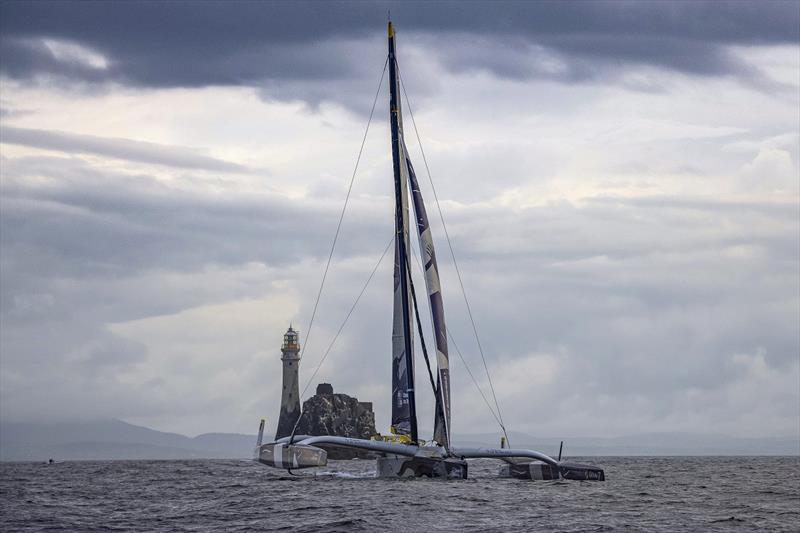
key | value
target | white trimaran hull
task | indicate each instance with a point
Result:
(401, 460)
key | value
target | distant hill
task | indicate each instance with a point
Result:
(115, 439)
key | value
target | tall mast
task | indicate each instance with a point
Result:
(401, 239)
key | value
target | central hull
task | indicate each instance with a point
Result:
(402, 467)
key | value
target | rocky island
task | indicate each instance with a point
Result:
(325, 413)
(329, 413)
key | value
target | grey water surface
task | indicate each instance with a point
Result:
(640, 494)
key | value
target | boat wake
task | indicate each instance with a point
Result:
(371, 474)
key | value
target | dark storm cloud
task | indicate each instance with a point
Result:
(250, 43)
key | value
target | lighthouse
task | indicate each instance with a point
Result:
(290, 395)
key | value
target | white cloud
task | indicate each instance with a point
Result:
(71, 52)
(772, 170)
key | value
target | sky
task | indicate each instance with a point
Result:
(619, 181)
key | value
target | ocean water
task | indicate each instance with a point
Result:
(640, 494)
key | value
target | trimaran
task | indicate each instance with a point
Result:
(404, 454)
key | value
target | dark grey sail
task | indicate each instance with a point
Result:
(404, 417)
(441, 432)
(401, 413)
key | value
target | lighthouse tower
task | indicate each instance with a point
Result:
(290, 396)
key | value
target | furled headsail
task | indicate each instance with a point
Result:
(441, 432)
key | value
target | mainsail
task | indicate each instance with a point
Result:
(441, 432)
(404, 417)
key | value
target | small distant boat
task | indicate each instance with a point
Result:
(404, 454)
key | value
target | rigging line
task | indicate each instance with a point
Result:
(422, 337)
(341, 216)
(339, 227)
(344, 322)
(464, 362)
(453, 255)
(485, 400)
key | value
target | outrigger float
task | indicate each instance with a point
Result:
(403, 454)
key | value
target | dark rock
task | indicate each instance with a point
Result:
(340, 415)
(324, 388)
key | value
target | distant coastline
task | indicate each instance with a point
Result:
(115, 439)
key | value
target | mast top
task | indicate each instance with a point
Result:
(391, 29)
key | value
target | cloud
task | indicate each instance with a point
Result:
(69, 52)
(111, 271)
(151, 295)
(107, 223)
(626, 230)
(125, 149)
(772, 170)
(289, 49)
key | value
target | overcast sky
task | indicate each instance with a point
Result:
(620, 183)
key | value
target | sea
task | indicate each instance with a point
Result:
(639, 494)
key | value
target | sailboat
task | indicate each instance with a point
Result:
(405, 454)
